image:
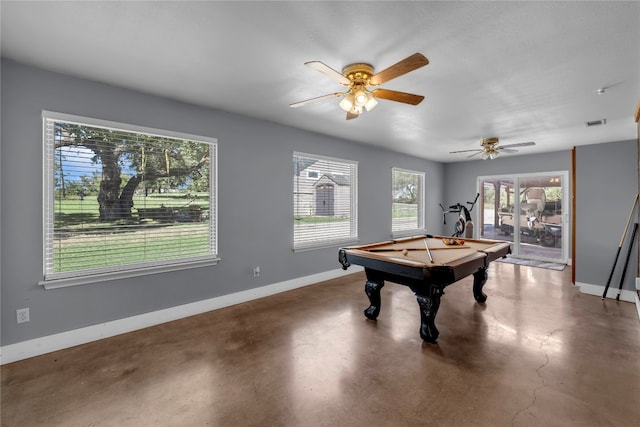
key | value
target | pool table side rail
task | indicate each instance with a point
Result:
(404, 240)
(384, 257)
(498, 251)
(417, 270)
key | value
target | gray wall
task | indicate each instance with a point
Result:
(255, 218)
(606, 184)
(255, 222)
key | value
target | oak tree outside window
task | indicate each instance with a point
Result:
(408, 201)
(121, 200)
(324, 201)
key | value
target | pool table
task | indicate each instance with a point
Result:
(427, 265)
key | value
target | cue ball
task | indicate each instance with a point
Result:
(405, 252)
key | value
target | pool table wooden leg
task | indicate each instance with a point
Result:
(479, 279)
(372, 289)
(429, 305)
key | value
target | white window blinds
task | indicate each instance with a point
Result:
(120, 198)
(324, 201)
(408, 201)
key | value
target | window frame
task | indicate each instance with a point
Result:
(353, 205)
(421, 204)
(79, 277)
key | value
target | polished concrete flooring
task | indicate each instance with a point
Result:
(537, 353)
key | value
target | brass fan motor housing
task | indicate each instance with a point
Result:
(489, 142)
(358, 73)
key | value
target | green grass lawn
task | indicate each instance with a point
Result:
(82, 242)
(310, 219)
(403, 210)
(80, 250)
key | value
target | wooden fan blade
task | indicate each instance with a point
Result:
(325, 69)
(507, 150)
(475, 154)
(465, 151)
(319, 98)
(351, 116)
(521, 144)
(408, 64)
(393, 95)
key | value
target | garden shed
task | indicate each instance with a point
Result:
(332, 194)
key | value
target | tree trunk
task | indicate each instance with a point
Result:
(108, 197)
(126, 198)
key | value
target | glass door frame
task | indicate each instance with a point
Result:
(516, 179)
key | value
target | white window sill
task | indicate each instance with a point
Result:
(327, 244)
(103, 277)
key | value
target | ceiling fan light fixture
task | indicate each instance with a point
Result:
(347, 102)
(360, 97)
(356, 110)
(371, 101)
(489, 154)
(357, 99)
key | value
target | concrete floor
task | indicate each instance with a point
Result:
(537, 353)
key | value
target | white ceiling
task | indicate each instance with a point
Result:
(521, 71)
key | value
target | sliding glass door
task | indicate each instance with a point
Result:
(529, 210)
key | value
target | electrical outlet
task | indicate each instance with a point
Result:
(22, 315)
(256, 271)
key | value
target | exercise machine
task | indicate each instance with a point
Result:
(464, 225)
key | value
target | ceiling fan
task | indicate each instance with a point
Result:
(490, 149)
(359, 77)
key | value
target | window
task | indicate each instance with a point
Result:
(123, 201)
(324, 202)
(408, 201)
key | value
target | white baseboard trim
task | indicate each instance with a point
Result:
(47, 344)
(597, 290)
